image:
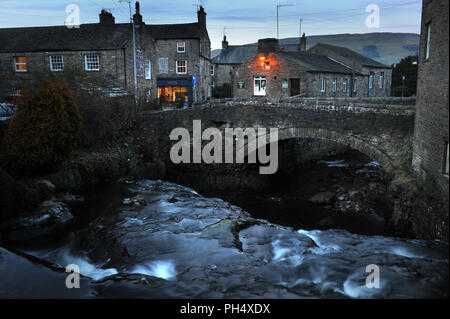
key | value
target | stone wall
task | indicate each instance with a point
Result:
(432, 121)
(223, 74)
(38, 66)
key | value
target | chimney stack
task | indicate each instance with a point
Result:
(201, 14)
(303, 43)
(224, 42)
(106, 17)
(137, 16)
(267, 45)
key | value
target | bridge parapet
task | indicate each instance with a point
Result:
(403, 106)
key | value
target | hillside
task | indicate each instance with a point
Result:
(387, 48)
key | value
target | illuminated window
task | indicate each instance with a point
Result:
(182, 67)
(21, 64)
(56, 63)
(163, 65)
(371, 80)
(268, 65)
(181, 46)
(344, 86)
(334, 85)
(323, 84)
(148, 69)
(355, 85)
(92, 62)
(259, 87)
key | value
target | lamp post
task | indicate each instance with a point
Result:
(278, 20)
(403, 86)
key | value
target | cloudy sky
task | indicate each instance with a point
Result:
(243, 21)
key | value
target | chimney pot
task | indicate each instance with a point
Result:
(267, 45)
(201, 14)
(106, 17)
(303, 43)
(137, 17)
(224, 42)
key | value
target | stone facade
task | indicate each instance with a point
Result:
(381, 74)
(430, 152)
(117, 62)
(284, 70)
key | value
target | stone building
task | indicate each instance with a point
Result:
(378, 76)
(431, 140)
(172, 61)
(275, 73)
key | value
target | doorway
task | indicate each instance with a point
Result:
(295, 87)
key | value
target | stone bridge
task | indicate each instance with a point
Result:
(381, 129)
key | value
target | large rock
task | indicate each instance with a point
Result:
(322, 198)
(47, 219)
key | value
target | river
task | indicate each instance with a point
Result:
(156, 239)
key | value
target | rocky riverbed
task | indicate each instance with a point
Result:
(163, 240)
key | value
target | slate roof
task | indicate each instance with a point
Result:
(236, 54)
(177, 31)
(61, 38)
(350, 54)
(314, 62)
(88, 36)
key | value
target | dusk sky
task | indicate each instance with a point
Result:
(245, 21)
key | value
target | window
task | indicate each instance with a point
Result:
(355, 85)
(267, 65)
(181, 46)
(163, 65)
(324, 84)
(56, 63)
(259, 87)
(428, 43)
(381, 80)
(182, 67)
(334, 85)
(370, 80)
(92, 62)
(344, 86)
(148, 69)
(211, 69)
(21, 64)
(446, 164)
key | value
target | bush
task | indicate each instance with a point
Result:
(45, 128)
(106, 120)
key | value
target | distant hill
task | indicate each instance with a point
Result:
(387, 48)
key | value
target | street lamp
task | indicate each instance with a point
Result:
(278, 23)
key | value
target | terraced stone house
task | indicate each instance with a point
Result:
(275, 71)
(172, 60)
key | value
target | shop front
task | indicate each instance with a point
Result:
(175, 92)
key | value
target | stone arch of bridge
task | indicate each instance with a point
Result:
(343, 138)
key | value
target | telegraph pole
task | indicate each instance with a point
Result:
(278, 19)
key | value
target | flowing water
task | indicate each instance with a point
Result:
(167, 241)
